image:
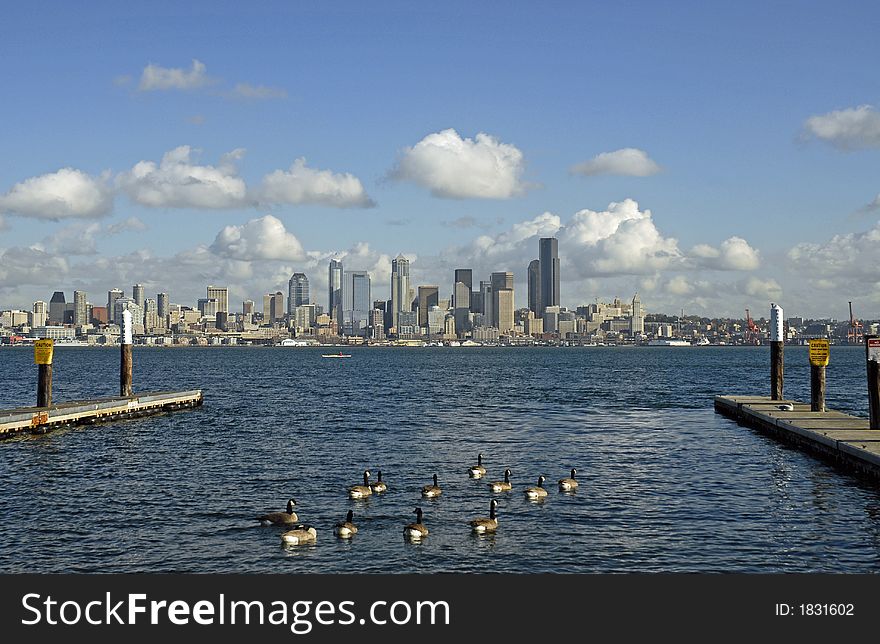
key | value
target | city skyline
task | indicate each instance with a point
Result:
(686, 177)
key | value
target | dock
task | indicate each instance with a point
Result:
(840, 438)
(38, 420)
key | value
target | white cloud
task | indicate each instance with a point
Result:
(176, 182)
(304, 185)
(29, 266)
(65, 194)
(265, 238)
(848, 129)
(257, 92)
(679, 285)
(734, 254)
(853, 256)
(455, 168)
(155, 77)
(132, 223)
(630, 162)
(768, 289)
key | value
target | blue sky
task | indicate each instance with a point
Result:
(717, 95)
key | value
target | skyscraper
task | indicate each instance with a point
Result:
(534, 286)
(277, 308)
(461, 296)
(334, 301)
(504, 309)
(41, 313)
(400, 289)
(297, 292)
(486, 302)
(137, 294)
(501, 281)
(357, 302)
(56, 308)
(548, 254)
(162, 302)
(428, 296)
(465, 276)
(151, 315)
(80, 308)
(221, 294)
(112, 295)
(637, 321)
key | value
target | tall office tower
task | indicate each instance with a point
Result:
(267, 309)
(548, 253)
(277, 308)
(504, 309)
(112, 295)
(221, 294)
(137, 294)
(377, 324)
(637, 321)
(56, 308)
(356, 302)
(466, 277)
(151, 314)
(162, 303)
(401, 297)
(535, 287)
(334, 300)
(297, 291)
(208, 306)
(128, 304)
(486, 302)
(247, 308)
(41, 313)
(80, 308)
(500, 281)
(461, 296)
(428, 296)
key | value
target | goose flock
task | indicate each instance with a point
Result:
(299, 533)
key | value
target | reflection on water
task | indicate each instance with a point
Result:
(665, 483)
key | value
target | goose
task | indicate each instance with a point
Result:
(280, 518)
(415, 531)
(430, 491)
(487, 525)
(569, 484)
(360, 491)
(477, 471)
(345, 529)
(502, 486)
(299, 535)
(537, 492)
(379, 486)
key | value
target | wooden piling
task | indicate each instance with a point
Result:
(777, 369)
(872, 354)
(44, 385)
(817, 388)
(125, 371)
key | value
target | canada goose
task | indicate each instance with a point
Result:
(569, 484)
(477, 471)
(360, 491)
(537, 492)
(379, 486)
(415, 531)
(345, 529)
(280, 518)
(487, 525)
(502, 486)
(430, 491)
(299, 535)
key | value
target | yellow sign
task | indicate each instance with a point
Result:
(819, 353)
(43, 351)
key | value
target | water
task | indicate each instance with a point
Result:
(666, 484)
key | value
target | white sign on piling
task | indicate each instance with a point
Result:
(126, 327)
(776, 331)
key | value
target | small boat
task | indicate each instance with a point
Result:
(336, 355)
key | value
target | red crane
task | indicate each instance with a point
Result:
(752, 335)
(854, 335)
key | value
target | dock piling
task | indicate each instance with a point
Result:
(777, 353)
(872, 353)
(43, 350)
(125, 363)
(817, 388)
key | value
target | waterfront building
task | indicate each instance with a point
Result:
(80, 308)
(533, 326)
(428, 296)
(112, 295)
(502, 280)
(356, 302)
(56, 308)
(548, 254)
(40, 314)
(377, 323)
(304, 317)
(449, 327)
(504, 307)
(435, 321)
(534, 287)
(221, 294)
(461, 296)
(401, 295)
(297, 291)
(551, 319)
(334, 299)
(637, 318)
(486, 301)
(463, 276)
(151, 315)
(53, 332)
(137, 294)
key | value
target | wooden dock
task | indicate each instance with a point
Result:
(38, 420)
(843, 439)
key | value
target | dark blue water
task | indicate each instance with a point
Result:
(666, 484)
